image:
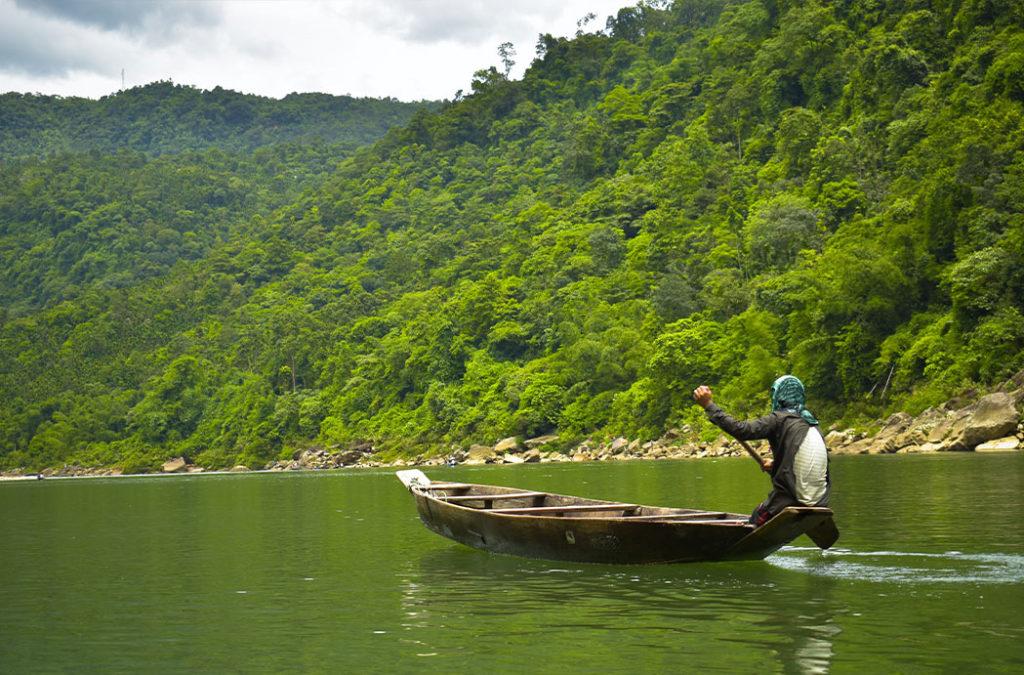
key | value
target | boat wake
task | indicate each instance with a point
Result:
(903, 567)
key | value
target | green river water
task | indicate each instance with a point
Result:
(333, 572)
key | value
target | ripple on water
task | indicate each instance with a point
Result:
(903, 567)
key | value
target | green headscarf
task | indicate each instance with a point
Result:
(788, 395)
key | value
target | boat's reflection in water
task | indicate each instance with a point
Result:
(725, 615)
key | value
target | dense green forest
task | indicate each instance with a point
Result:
(163, 117)
(702, 192)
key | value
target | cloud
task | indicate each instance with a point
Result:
(54, 38)
(409, 49)
(460, 21)
(132, 16)
(36, 46)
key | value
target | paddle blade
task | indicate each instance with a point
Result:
(824, 534)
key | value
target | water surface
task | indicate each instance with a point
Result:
(332, 571)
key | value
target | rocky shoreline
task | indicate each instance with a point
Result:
(991, 423)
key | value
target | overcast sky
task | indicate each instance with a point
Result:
(409, 49)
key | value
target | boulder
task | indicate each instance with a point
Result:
(719, 444)
(509, 458)
(999, 445)
(531, 456)
(510, 444)
(994, 417)
(834, 439)
(363, 447)
(238, 468)
(176, 465)
(306, 458)
(899, 433)
(949, 436)
(480, 454)
(540, 440)
(896, 423)
(347, 457)
(618, 445)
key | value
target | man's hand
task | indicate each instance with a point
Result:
(702, 395)
(766, 464)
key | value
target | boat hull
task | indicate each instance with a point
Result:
(614, 540)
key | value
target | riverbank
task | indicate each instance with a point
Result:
(971, 423)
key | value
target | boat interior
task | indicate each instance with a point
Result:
(513, 502)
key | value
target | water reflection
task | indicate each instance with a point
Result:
(755, 613)
(807, 614)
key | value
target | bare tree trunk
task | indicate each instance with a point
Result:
(886, 387)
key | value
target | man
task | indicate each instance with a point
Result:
(799, 463)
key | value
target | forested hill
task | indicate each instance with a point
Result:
(703, 192)
(112, 192)
(163, 117)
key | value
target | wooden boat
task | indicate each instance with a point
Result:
(557, 527)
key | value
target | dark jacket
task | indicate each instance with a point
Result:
(785, 431)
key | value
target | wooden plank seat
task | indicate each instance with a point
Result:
(569, 508)
(495, 498)
(707, 515)
(448, 486)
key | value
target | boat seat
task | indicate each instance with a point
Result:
(495, 498)
(570, 508)
(706, 515)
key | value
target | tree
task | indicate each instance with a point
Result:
(778, 229)
(507, 53)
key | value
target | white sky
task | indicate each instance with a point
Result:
(409, 49)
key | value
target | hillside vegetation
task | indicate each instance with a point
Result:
(703, 192)
(166, 118)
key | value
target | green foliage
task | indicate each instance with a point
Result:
(163, 117)
(705, 192)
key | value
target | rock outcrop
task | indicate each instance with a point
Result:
(507, 445)
(995, 417)
(176, 465)
(1000, 445)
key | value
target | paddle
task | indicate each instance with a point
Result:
(757, 458)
